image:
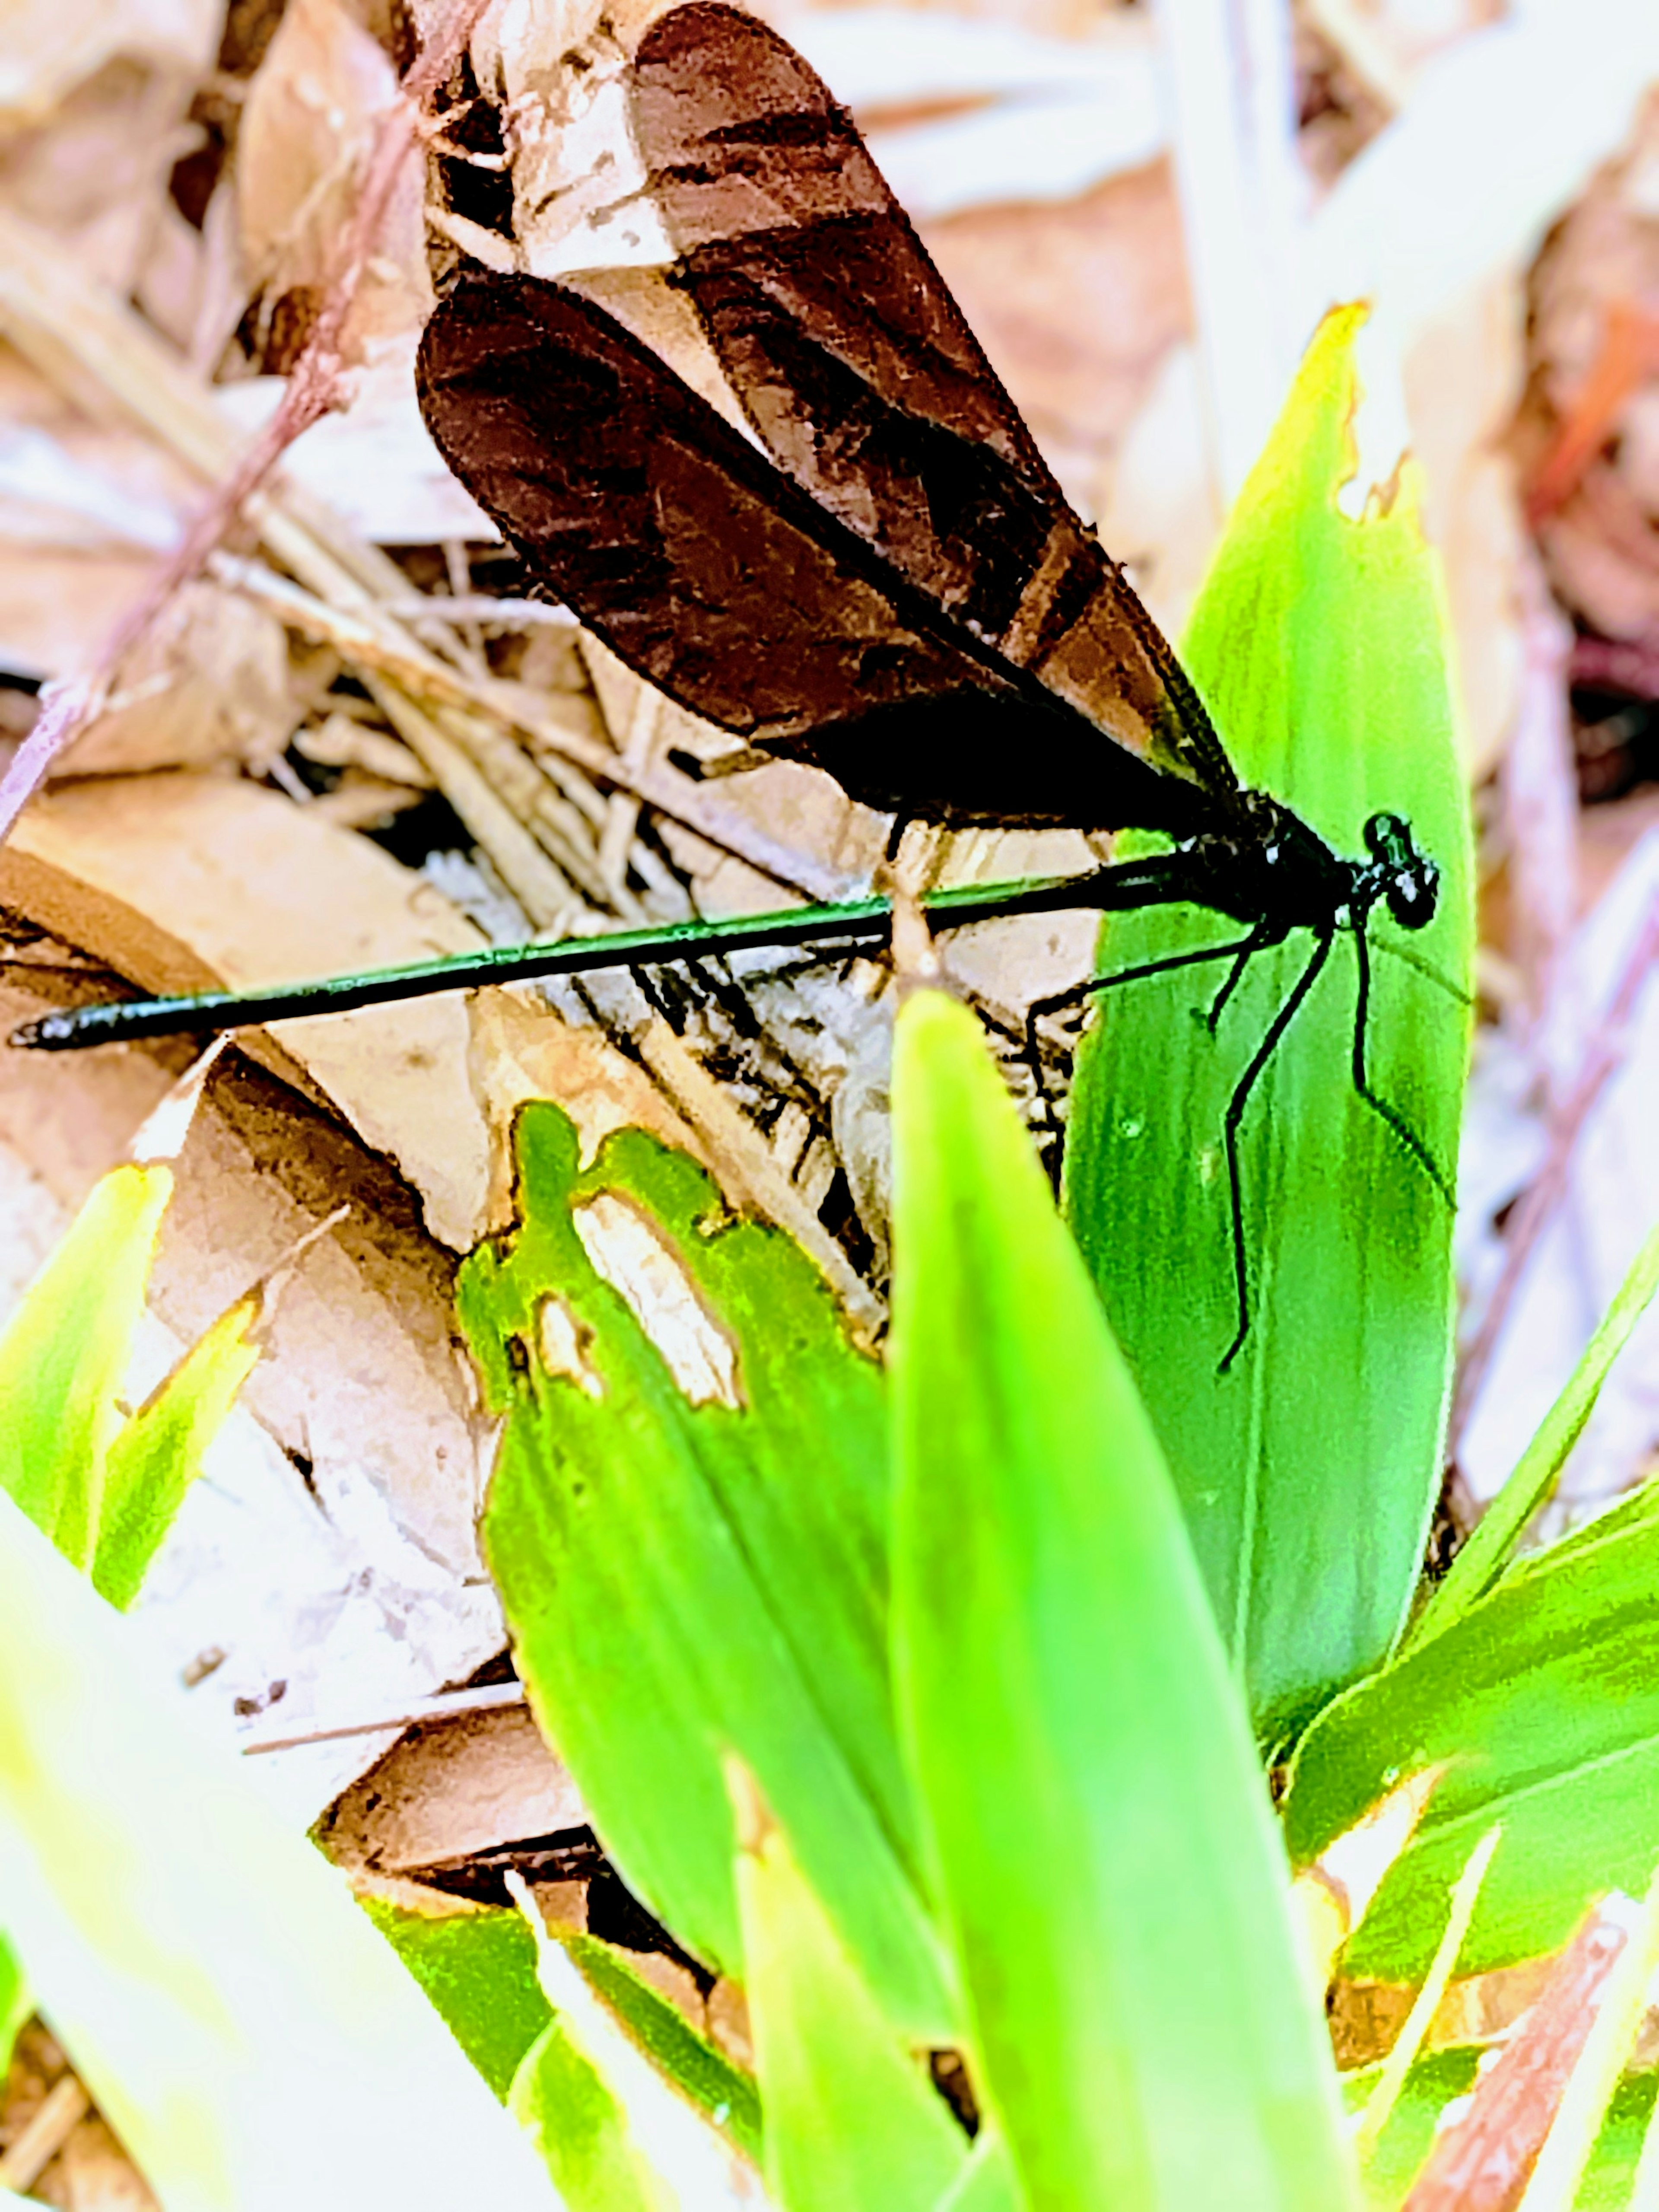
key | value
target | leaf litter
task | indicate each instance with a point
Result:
(330, 748)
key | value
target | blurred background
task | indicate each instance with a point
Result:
(351, 741)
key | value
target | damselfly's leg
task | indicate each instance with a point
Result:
(1235, 1105)
(1264, 934)
(1389, 1115)
(1058, 1000)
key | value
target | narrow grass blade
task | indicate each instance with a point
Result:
(1537, 1471)
(1141, 2020)
(478, 1969)
(155, 1456)
(223, 1997)
(564, 2105)
(1584, 2107)
(1318, 644)
(629, 2141)
(853, 2124)
(64, 1354)
(1645, 2189)
(725, 2095)
(1541, 1705)
(1408, 2043)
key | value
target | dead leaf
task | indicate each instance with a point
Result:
(188, 883)
(209, 684)
(307, 125)
(53, 46)
(450, 1789)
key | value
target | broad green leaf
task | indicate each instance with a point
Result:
(703, 2075)
(564, 2105)
(16, 2002)
(64, 1353)
(478, 1969)
(224, 2000)
(1543, 1700)
(155, 1456)
(1308, 1470)
(1105, 1854)
(1538, 1470)
(853, 2124)
(685, 1580)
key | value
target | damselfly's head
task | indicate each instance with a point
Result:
(1408, 880)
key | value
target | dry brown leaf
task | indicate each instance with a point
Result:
(94, 170)
(209, 684)
(52, 45)
(1588, 432)
(520, 1051)
(1462, 375)
(357, 1366)
(1077, 304)
(559, 71)
(309, 120)
(197, 883)
(449, 1788)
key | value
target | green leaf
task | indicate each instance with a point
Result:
(685, 1580)
(1543, 1700)
(1106, 1856)
(853, 2124)
(563, 2103)
(702, 2074)
(205, 1967)
(1433, 2083)
(1308, 1470)
(64, 1353)
(1537, 1471)
(478, 1969)
(1608, 2185)
(1581, 2118)
(155, 1456)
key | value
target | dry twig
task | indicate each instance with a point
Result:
(313, 390)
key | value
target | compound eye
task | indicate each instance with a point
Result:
(1414, 895)
(1387, 838)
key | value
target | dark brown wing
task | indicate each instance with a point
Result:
(857, 368)
(723, 583)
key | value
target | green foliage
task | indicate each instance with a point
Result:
(1538, 1470)
(155, 1457)
(1308, 1470)
(575, 2120)
(703, 2075)
(1141, 2022)
(853, 2124)
(205, 1967)
(478, 1969)
(1544, 1701)
(686, 1580)
(64, 1355)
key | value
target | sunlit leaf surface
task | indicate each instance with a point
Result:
(1308, 1470)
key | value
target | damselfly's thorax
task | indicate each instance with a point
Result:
(1269, 868)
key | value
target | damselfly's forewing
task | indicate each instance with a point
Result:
(913, 607)
(857, 368)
